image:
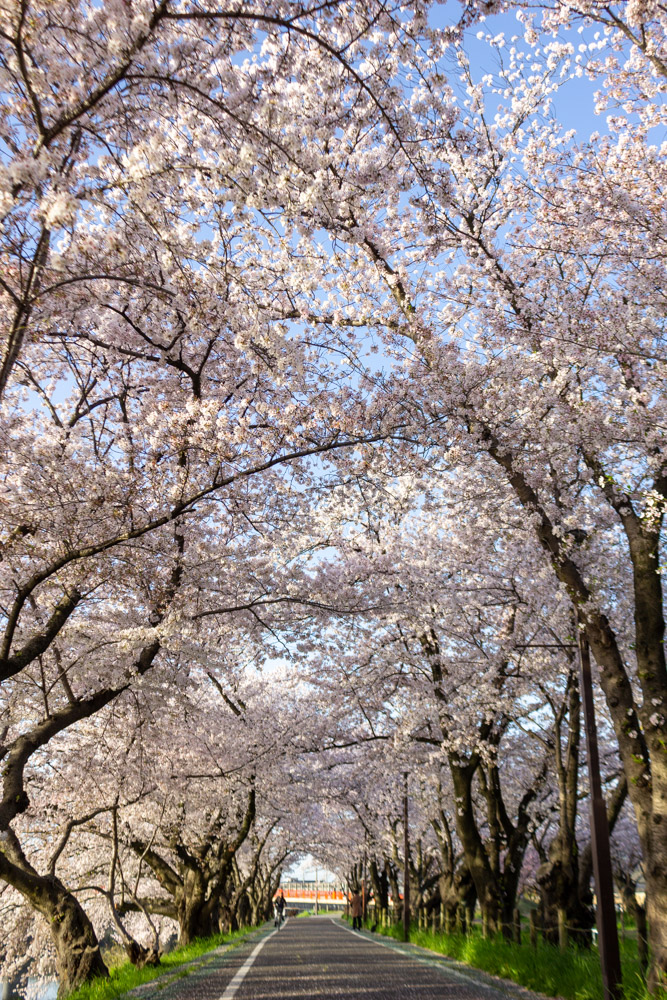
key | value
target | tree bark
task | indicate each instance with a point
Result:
(78, 957)
(561, 888)
(476, 856)
(380, 884)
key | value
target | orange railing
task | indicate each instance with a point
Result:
(323, 894)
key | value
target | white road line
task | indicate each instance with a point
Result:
(232, 988)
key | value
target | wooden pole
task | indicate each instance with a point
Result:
(532, 917)
(562, 929)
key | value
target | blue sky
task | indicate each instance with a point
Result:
(574, 103)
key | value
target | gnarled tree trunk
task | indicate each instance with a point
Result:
(78, 957)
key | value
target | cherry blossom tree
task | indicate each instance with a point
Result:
(453, 647)
(212, 220)
(156, 357)
(525, 276)
(151, 815)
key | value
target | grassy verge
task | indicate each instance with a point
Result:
(125, 977)
(574, 975)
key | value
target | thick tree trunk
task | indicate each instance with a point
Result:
(476, 858)
(196, 913)
(450, 901)
(517, 837)
(656, 913)
(392, 875)
(455, 885)
(243, 911)
(455, 892)
(78, 957)
(380, 884)
(559, 875)
(496, 887)
(560, 890)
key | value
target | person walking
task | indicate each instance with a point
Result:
(356, 909)
(279, 904)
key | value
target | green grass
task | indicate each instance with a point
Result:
(303, 913)
(126, 976)
(574, 975)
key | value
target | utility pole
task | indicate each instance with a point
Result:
(610, 959)
(317, 886)
(406, 867)
(363, 882)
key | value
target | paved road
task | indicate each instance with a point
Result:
(319, 958)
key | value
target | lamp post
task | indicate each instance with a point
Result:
(363, 882)
(317, 885)
(406, 867)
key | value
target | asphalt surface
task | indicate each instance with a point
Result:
(321, 958)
